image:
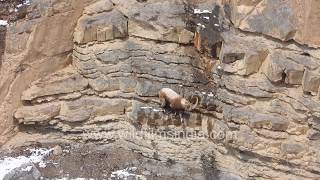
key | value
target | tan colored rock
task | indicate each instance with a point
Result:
(313, 134)
(274, 68)
(314, 121)
(263, 121)
(252, 87)
(185, 37)
(63, 82)
(38, 113)
(230, 98)
(286, 110)
(274, 18)
(294, 74)
(57, 150)
(98, 7)
(309, 22)
(240, 9)
(33, 51)
(255, 119)
(102, 26)
(74, 112)
(160, 21)
(246, 138)
(242, 56)
(292, 147)
(128, 85)
(250, 63)
(104, 84)
(148, 88)
(89, 107)
(285, 20)
(280, 68)
(310, 82)
(138, 28)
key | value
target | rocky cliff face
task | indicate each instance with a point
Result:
(90, 71)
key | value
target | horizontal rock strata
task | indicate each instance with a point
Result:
(92, 73)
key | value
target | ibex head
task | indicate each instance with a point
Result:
(188, 106)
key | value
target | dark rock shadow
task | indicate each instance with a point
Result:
(3, 32)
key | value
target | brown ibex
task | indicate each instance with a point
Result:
(175, 101)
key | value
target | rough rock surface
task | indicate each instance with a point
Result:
(23, 172)
(90, 71)
(284, 20)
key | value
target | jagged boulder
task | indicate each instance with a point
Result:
(311, 82)
(280, 68)
(100, 24)
(26, 171)
(284, 20)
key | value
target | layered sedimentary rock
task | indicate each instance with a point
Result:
(91, 72)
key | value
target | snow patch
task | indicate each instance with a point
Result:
(10, 163)
(201, 25)
(199, 11)
(157, 110)
(146, 107)
(19, 5)
(37, 155)
(27, 169)
(3, 22)
(126, 173)
(26, 2)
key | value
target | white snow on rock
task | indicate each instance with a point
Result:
(157, 110)
(126, 173)
(38, 155)
(199, 11)
(3, 22)
(28, 168)
(19, 5)
(201, 25)
(8, 164)
(26, 2)
(146, 107)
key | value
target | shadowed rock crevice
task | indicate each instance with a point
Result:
(3, 31)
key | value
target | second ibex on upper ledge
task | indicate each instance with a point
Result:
(175, 101)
